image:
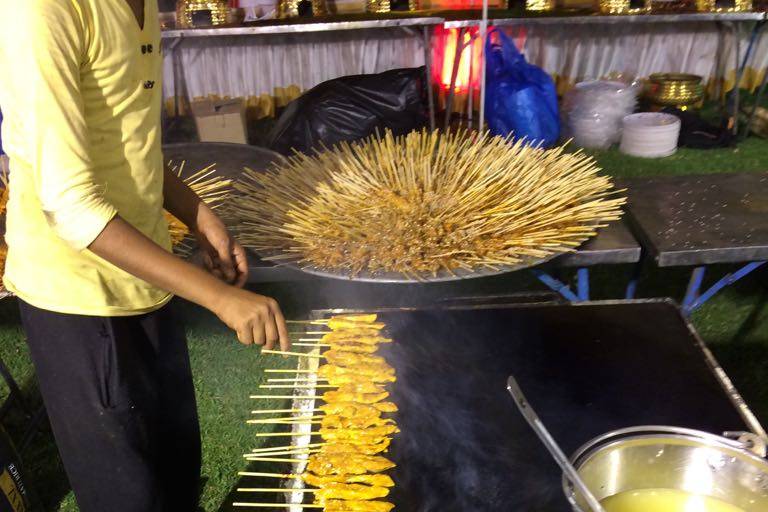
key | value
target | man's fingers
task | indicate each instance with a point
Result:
(245, 335)
(226, 261)
(282, 328)
(270, 330)
(259, 337)
(241, 264)
(208, 261)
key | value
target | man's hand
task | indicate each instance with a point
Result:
(255, 318)
(223, 256)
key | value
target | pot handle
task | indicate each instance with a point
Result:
(751, 442)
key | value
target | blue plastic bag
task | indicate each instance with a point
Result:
(520, 98)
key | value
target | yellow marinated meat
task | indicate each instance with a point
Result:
(356, 348)
(343, 491)
(363, 398)
(362, 448)
(357, 506)
(339, 379)
(367, 318)
(377, 479)
(340, 324)
(351, 359)
(386, 406)
(347, 464)
(338, 421)
(363, 336)
(340, 434)
(375, 373)
(355, 409)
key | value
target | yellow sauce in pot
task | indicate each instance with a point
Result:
(664, 500)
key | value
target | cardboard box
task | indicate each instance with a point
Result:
(220, 121)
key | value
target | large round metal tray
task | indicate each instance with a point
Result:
(395, 277)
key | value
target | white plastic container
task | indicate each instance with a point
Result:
(594, 111)
(650, 135)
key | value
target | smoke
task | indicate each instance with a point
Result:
(462, 445)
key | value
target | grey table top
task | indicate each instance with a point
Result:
(613, 244)
(703, 219)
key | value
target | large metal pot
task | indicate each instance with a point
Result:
(674, 458)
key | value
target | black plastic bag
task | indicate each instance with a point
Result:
(351, 108)
(697, 133)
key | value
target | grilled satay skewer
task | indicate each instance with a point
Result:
(331, 491)
(377, 479)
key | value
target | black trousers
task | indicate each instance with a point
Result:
(121, 403)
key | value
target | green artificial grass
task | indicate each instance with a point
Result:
(734, 324)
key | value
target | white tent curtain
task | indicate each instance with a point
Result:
(271, 70)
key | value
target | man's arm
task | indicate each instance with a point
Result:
(222, 254)
(255, 318)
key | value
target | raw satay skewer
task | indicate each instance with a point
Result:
(381, 406)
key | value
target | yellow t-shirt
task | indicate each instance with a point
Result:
(80, 96)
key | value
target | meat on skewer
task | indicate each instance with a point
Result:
(375, 373)
(335, 421)
(341, 324)
(347, 464)
(375, 479)
(344, 491)
(361, 318)
(365, 336)
(355, 409)
(363, 398)
(362, 448)
(357, 506)
(351, 358)
(357, 348)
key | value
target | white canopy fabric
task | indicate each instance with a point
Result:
(271, 70)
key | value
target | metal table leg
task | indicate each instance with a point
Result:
(582, 276)
(454, 75)
(634, 277)
(171, 50)
(556, 285)
(694, 286)
(427, 32)
(691, 304)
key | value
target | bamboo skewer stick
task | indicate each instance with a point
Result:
(311, 344)
(277, 397)
(292, 379)
(277, 505)
(275, 489)
(280, 370)
(253, 458)
(281, 454)
(267, 475)
(296, 386)
(284, 353)
(287, 447)
(279, 411)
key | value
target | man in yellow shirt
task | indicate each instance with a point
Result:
(89, 252)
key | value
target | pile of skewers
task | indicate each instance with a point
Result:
(423, 205)
(345, 468)
(210, 187)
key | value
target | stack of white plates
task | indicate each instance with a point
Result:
(650, 135)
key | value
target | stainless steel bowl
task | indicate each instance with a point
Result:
(656, 457)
